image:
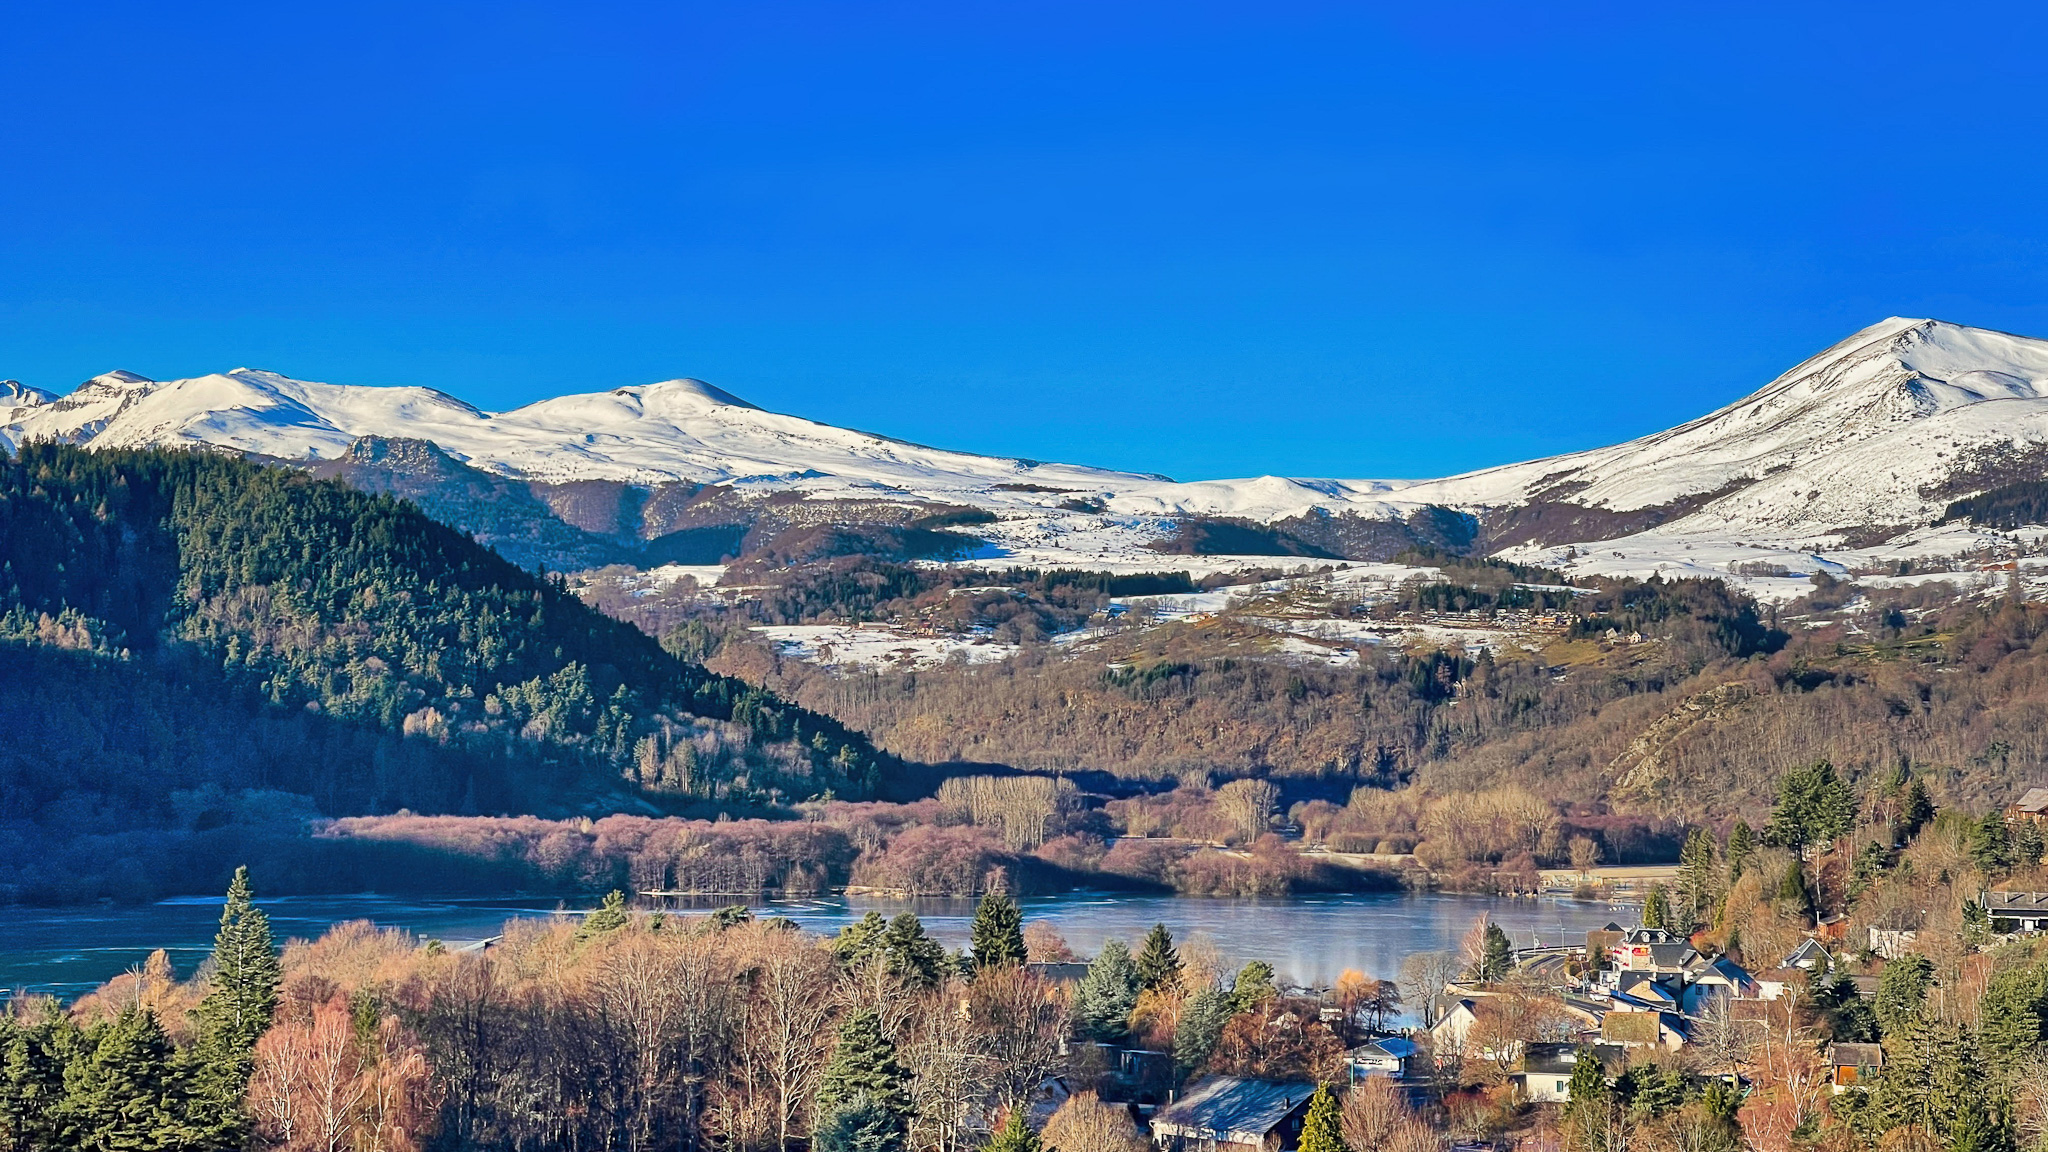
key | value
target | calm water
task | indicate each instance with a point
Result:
(1308, 940)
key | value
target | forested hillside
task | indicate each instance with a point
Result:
(190, 643)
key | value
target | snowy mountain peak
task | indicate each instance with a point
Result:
(118, 378)
(15, 394)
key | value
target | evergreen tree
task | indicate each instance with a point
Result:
(914, 956)
(1991, 843)
(863, 1067)
(32, 1058)
(1792, 891)
(1587, 1098)
(609, 916)
(1741, 846)
(1322, 1130)
(1814, 805)
(1104, 998)
(1254, 986)
(2027, 846)
(1656, 911)
(861, 939)
(861, 1124)
(1497, 954)
(122, 1092)
(1901, 991)
(246, 974)
(2014, 1014)
(998, 933)
(234, 1015)
(1982, 1126)
(1698, 880)
(1014, 1135)
(1916, 810)
(1158, 961)
(1201, 1026)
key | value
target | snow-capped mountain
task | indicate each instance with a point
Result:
(1880, 432)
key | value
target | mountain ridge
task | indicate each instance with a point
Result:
(1873, 433)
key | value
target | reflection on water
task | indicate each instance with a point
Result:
(1308, 940)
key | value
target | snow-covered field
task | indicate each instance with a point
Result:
(879, 646)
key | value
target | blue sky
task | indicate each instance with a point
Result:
(1199, 239)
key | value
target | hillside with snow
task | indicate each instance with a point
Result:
(1870, 440)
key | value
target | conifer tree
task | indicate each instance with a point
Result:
(1916, 810)
(609, 916)
(121, 1091)
(1983, 1126)
(1254, 986)
(1741, 846)
(1014, 1135)
(1322, 1129)
(246, 974)
(32, 1058)
(1698, 880)
(1656, 912)
(1200, 1028)
(863, 1067)
(913, 955)
(234, 1015)
(860, 1124)
(1104, 998)
(998, 933)
(1901, 990)
(1158, 962)
(1991, 843)
(2014, 1014)
(1497, 954)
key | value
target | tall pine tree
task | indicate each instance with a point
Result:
(1158, 962)
(998, 933)
(863, 1067)
(234, 1015)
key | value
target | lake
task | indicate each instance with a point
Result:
(1308, 940)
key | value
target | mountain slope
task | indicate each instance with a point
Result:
(482, 687)
(1882, 431)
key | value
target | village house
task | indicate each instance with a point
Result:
(1720, 977)
(1451, 1030)
(1650, 951)
(2032, 806)
(1226, 1114)
(2017, 911)
(1389, 1056)
(1544, 1073)
(1853, 1064)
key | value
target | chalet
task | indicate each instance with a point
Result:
(1544, 1073)
(1226, 1114)
(2018, 911)
(2032, 806)
(1390, 1056)
(1852, 1064)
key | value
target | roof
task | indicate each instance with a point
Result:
(2033, 800)
(1649, 936)
(1649, 992)
(1061, 972)
(1856, 1055)
(1559, 1059)
(1231, 1110)
(1630, 1027)
(1807, 950)
(2017, 901)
